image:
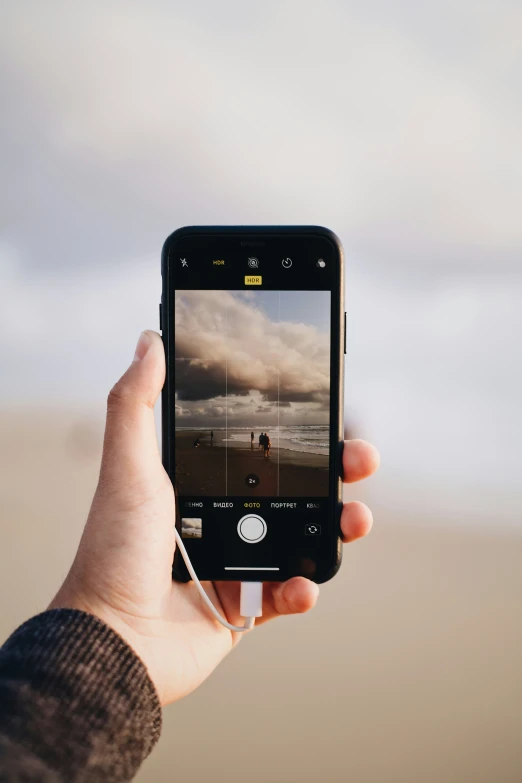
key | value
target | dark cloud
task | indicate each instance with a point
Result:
(286, 363)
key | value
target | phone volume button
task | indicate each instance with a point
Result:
(345, 331)
(161, 318)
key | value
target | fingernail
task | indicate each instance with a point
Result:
(142, 347)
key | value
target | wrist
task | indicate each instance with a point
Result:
(69, 598)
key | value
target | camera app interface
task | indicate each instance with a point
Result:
(252, 402)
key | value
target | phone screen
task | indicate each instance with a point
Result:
(253, 402)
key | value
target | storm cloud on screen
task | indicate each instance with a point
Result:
(230, 349)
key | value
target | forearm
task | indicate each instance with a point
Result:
(75, 702)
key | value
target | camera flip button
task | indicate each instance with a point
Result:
(251, 529)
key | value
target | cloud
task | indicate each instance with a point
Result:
(226, 345)
(121, 120)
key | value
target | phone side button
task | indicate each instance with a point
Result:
(345, 331)
(161, 321)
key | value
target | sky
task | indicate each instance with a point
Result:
(241, 360)
(397, 125)
(301, 307)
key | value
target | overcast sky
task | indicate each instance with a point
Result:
(239, 350)
(398, 125)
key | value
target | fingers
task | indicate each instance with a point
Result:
(296, 596)
(360, 460)
(130, 433)
(299, 595)
(141, 384)
(356, 521)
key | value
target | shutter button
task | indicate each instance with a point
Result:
(251, 528)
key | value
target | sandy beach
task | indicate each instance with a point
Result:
(407, 671)
(222, 468)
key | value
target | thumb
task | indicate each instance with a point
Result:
(130, 448)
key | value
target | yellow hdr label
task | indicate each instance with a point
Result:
(253, 279)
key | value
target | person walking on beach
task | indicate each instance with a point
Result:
(212, 437)
(266, 445)
(251, 440)
(261, 436)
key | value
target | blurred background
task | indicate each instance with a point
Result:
(399, 126)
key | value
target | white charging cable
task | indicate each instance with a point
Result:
(251, 599)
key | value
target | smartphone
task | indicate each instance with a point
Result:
(253, 325)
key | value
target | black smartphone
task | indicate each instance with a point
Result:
(253, 325)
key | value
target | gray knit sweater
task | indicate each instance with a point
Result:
(76, 703)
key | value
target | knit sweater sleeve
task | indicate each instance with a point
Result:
(76, 703)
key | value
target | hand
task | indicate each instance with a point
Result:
(122, 571)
